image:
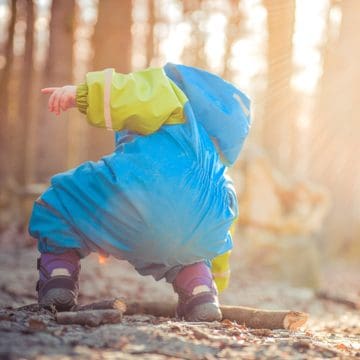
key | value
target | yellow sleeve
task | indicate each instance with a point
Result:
(141, 101)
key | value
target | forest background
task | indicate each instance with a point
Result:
(298, 178)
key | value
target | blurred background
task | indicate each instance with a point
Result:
(298, 177)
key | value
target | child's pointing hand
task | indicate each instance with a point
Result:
(61, 98)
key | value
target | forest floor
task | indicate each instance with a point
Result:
(333, 330)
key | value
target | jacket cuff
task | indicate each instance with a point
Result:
(81, 98)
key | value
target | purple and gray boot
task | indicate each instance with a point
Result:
(58, 283)
(198, 296)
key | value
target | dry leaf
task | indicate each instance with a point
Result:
(36, 324)
(342, 347)
(227, 323)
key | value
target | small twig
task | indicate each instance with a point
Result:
(352, 304)
(16, 294)
(325, 348)
(89, 317)
(117, 304)
(250, 317)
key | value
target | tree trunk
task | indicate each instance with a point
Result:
(4, 99)
(234, 27)
(52, 131)
(25, 95)
(194, 51)
(112, 45)
(336, 130)
(279, 121)
(150, 33)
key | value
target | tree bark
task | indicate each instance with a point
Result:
(52, 131)
(278, 121)
(334, 142)
(234, 27)
(150, 32)
(194, 51)
(25, 95)
(4, 99)
(112, 46)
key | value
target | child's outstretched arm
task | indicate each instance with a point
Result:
(141, 101)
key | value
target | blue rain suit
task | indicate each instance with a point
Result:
(161, 200)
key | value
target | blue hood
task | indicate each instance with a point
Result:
(222, 109)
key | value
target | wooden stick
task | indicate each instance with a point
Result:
(250, 317)
(89, 317)
(116, 304)
(265, 319)
(351, 303)
(165, 309)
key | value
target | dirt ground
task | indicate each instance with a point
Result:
(333, 330)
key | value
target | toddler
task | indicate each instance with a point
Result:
(161, 200)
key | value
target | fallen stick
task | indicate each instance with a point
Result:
(352, 304)
(165, 309)
(265, 319)
(116, 304)
(250, 317)
(89, 317)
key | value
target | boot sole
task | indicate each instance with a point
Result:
(62, 299)
(204, 312)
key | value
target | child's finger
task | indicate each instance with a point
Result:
(49, 90)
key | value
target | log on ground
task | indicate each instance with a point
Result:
(250, 317)
(264, 319)
(349, 302)
(89, 317)
(116, 304)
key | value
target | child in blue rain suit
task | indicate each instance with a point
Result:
(161, 200)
